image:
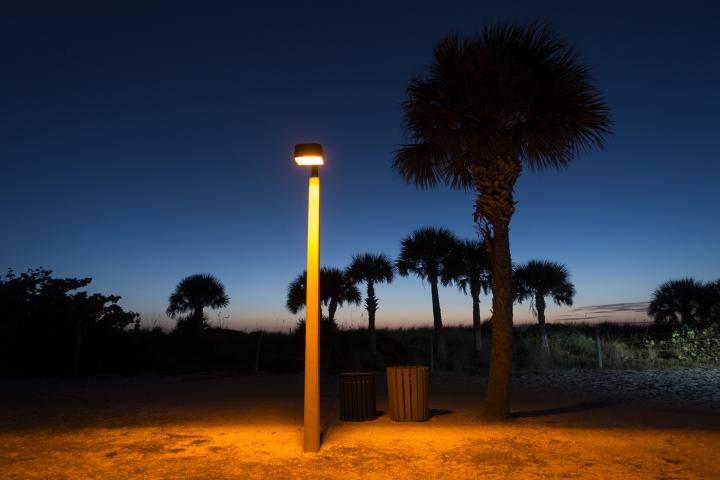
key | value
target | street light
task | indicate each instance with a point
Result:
(311, 154)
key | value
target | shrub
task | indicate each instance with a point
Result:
(689, 344)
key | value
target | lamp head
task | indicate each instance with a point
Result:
(310, 154)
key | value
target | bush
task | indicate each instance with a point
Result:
(688, 344)
(623, 346)
(569, 347)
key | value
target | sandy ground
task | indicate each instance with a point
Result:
(225, 426)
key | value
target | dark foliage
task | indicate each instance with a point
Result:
(428, 253)
(336, 289)
(514, 91)
(191, 296)
(46, 326)
(542, 278)
(686, 301)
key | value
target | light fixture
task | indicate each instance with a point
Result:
(309, 154)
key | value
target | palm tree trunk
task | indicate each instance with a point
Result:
(497, 396)
(475, 294)
(540, 307)
(198, 320)
(437, 322)
(371, 305)
(494, 182)
(332, 308)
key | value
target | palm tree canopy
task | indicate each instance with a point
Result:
(514, 91)
(471, 267)
(712, 301)
(678, 298)
(543, 278)
(296, 294)
(334, 284)
(427, 252)
(369, 267)
(197, 292)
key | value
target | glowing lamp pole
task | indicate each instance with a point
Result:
(311, 154)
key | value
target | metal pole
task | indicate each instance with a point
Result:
(311, 442)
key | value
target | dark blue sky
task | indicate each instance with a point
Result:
(147, 141)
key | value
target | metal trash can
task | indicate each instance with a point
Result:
(357, 396)
(408, 393)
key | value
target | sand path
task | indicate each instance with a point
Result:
(218, 427)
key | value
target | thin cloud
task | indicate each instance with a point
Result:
(615, 307)
(625, 312)
(572, 318)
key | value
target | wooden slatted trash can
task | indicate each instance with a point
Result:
(408, 393)
(357, 396)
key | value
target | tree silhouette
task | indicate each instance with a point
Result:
(192, 295)
(515, 95)
(538, 279)
(41, 317)
(336, 289)
(296, 294)
(712, 302)
(428, 253)
(682, 301)
(371, 269)
(472, 272)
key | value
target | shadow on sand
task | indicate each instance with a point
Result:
(578, 407)
(438, 412)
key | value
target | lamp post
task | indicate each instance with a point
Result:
(311, 154)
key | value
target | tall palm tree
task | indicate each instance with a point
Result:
(514, 96)
(538, 279)
(428, 253)
(678, 302)
(336, 289)
(371, 269)
(472, 271)
(192, 295)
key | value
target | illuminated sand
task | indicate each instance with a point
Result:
(210, 427)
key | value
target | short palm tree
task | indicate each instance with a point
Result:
(336, 289)
(677, 302)
(371, 269)
(514, 96)
(472, 273)
(192, 295)
(428, 253)
(538, 279)
(296, 295)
